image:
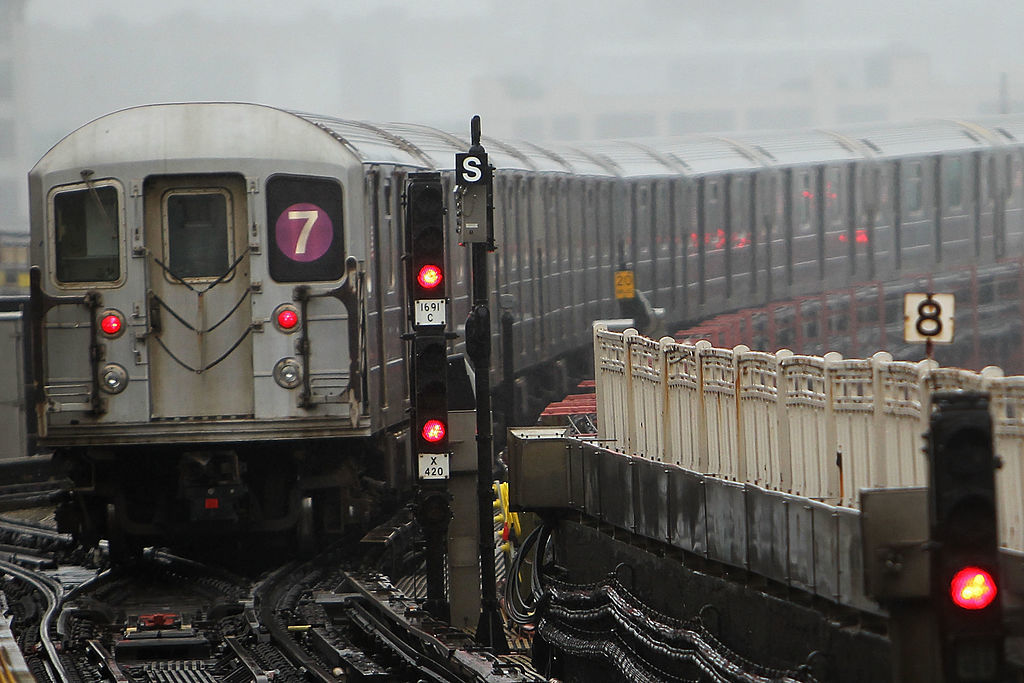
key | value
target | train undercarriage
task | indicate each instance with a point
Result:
(295, 494)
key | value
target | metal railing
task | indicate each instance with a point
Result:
(818, 427)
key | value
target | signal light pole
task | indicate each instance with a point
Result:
(475, 219)
(428, 375)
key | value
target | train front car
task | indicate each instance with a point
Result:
(198, 306)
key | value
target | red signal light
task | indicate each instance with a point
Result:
(433, 431)
(111, 324)
(430, 276)
(972, 588)
(287, 318)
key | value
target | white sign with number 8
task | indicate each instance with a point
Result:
(928, 317)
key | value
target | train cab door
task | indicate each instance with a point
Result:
(199, 343)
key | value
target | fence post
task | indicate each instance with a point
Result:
(702, 433)
(600, 385)
(834, 482)
(668, 418)
(876, 467)
(785, 464)
(920, 469)
(627, 344)
(740, 456)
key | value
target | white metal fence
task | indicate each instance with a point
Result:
(820, 427)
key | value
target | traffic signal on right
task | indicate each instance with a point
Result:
(964, 530)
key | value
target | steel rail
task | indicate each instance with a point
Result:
(247, 660)
(53, 591)
(266, 596)
(108, 662)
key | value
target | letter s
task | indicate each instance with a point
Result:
(471, 171)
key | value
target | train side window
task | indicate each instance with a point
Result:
(197, 224)
(803, 203)
(387, 228)
(953, 182)
(305, 230)
(1016, 175)
(834, 199)
(912, 191)
(87, 229)
(714, 230)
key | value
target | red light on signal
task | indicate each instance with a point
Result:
(429, 276)
(287, 318)
(972, 588)
(433, 431)
(111, 324)
(212, 504)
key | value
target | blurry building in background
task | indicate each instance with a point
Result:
(744, 88)
(13, 184)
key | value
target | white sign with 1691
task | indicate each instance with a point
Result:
(429, 312)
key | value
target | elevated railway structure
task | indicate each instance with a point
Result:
(753, 467)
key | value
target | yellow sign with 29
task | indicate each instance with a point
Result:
(625, 286)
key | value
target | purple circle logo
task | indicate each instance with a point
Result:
(304, 232)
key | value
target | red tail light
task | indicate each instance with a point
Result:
(111, 324)
(286, 318)
(973, 588)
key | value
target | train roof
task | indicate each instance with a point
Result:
(922, 137)
(167, 133)
(236, 130)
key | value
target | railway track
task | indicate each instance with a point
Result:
(165, 617)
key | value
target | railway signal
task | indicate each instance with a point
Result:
(430, 397)
(427, 285)
(425, 246)
(964, 531)
(429, 377)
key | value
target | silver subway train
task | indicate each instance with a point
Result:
(218, 300)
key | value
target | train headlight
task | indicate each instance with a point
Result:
(286, 318)
(112, 323)
(113, 378)
(288, 373)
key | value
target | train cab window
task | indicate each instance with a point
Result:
(305, 231)
(86, 224)
(197, 225)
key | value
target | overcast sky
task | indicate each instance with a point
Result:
(422, 61)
